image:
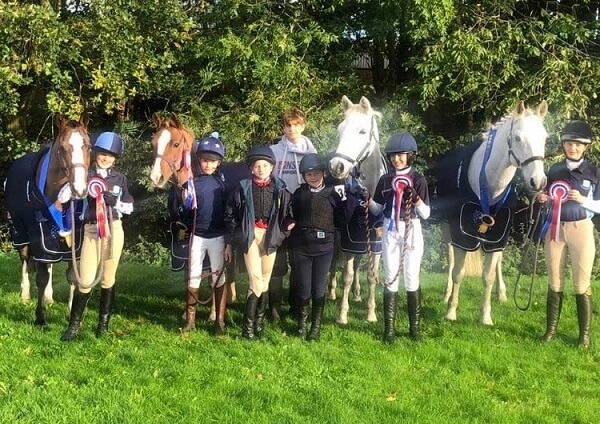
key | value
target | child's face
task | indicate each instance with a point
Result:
(293, 130)
(314, 178)
(105, 160)
(208, 167)
(399, 160)
(261, 169)
(574, 150)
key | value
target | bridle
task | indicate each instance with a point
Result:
(365, 151)
(518, 163)
(67, 166)
(174, 165)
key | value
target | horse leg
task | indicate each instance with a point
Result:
(72, 280)
(213, 308)
(49, 292)
(501, 284)
(449, 283)
(489, 275)
(332, 282)
(27, 266)
(372, 277)
(356, 279)
(458, 273)
(41, 280)
(348, 278)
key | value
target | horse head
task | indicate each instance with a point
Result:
(527, 143)
(170, 142)
(71, 157)
(359, 138)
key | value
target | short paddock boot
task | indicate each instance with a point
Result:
(584, 317)
(221, 306)
(107, 297)
(79, 303)
(249, 316)
(389, 316)
(304, 306)
(413, 301)
(275, 296)
(261, 310)
(190, 309)
(317, 317)
(553, 308)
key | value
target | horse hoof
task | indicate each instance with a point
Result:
(49, 301)
(450, 317)
(371, 318)
(487, 322)
(502, 297)
(358, 298)
(25, 300)
(342, 320)
(40, 322)
(332, 295)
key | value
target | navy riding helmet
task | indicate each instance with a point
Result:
(210, 146)
(312, 162)
(258, 153)
(109, 142)
(401, 143)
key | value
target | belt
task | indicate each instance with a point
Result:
(96, 222)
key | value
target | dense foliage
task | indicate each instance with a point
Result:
(439, 68)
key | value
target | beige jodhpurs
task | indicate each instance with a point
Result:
(259, 264)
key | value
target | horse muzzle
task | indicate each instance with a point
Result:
(339, 168)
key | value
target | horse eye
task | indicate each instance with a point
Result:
(175, 144)
(517, 138)
(362, 131)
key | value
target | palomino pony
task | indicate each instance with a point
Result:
(358, 153)
(482, 215)
(40, 230)
(171, 142)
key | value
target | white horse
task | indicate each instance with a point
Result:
(519, 143)
(358, 149)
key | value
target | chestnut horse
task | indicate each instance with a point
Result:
(41, 231)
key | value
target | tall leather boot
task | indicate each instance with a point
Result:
(249, 316)
(190, 309)
(79, 303)
(304, 304)
(221, 306)
(261, 310)
(107, 297)
(275, 290)
(413, 300)
(553, 308)
(318, 306)
(389, 316)
(584, 317)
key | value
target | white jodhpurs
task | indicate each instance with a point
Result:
(214, 248)
(393, 252)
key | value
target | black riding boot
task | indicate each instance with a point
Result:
(275, 290)
(190, 309)
(303, 317)
(107, 297)
(317, 316)
(389, 316)
(249, 316)
(79, 303)
(553, 308)
(261, 309)
(413, 300)
(584, 317)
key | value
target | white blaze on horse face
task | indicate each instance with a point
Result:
(161, 144)
(355, 135)
(78, 158)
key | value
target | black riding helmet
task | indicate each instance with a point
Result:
(258, 153)
(402, 142)
(312, 162)
(577, 131)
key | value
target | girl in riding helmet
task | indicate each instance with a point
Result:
(107, 201)
(208, 231)
(574, 195)
(403, 197)
(314, 206)
(258, 220)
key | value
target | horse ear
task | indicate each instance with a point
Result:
(520, 108)
(365, 103)
(346, 103)
(175, 120)
(60, 121)
(542, 109)
(156, 119)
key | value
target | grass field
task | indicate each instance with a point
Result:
(146, 372)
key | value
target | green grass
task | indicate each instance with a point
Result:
(146, 371)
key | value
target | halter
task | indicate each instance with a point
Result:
(365, 151)
(518, 163)
(174, 166)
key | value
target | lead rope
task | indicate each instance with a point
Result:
(370, 256)
(100, 271)
(407, 228)
(524, 257)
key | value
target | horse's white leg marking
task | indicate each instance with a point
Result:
(49, 291)
(231, 293)
(163, 140)
(450, 268)
(356, 279)
(213, 309)
(458, 273)
(25, 283)
(371, 315)
(348, 278)
(501, 284)
(332, 283)
(489, 275)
